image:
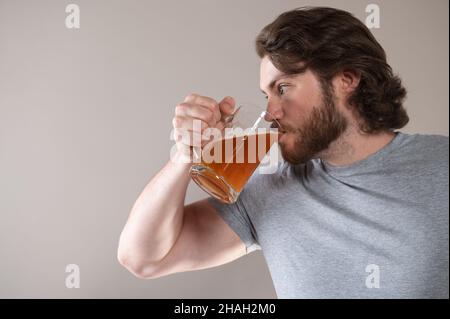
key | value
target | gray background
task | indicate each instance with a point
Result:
(85, 117)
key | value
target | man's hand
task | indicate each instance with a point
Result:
(204, 109)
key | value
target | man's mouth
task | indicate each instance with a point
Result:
(277, 126)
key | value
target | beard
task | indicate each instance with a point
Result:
(325, 125)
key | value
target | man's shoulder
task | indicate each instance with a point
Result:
(429, 152)
(432, 146)
(277, 179)
(432, 139)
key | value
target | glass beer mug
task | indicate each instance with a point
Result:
(223, 166)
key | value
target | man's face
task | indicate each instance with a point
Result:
(306, 112)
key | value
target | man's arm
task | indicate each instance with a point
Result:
(162, 236)
(204, 241)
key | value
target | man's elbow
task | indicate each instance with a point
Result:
(137, 266)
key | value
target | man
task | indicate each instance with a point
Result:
(356, 210)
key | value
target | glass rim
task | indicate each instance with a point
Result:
(262, 115)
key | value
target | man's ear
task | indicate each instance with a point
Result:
(349, 81)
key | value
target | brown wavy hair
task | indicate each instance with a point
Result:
(328, 41)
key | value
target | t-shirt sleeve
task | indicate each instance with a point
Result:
(236, 216)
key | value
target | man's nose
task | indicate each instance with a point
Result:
(274, 111)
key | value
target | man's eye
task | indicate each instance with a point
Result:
(281, 89)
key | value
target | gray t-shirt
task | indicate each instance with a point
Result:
(375, 229)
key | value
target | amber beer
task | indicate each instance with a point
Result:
(227, 164)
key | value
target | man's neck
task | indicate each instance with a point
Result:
(354, 146)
